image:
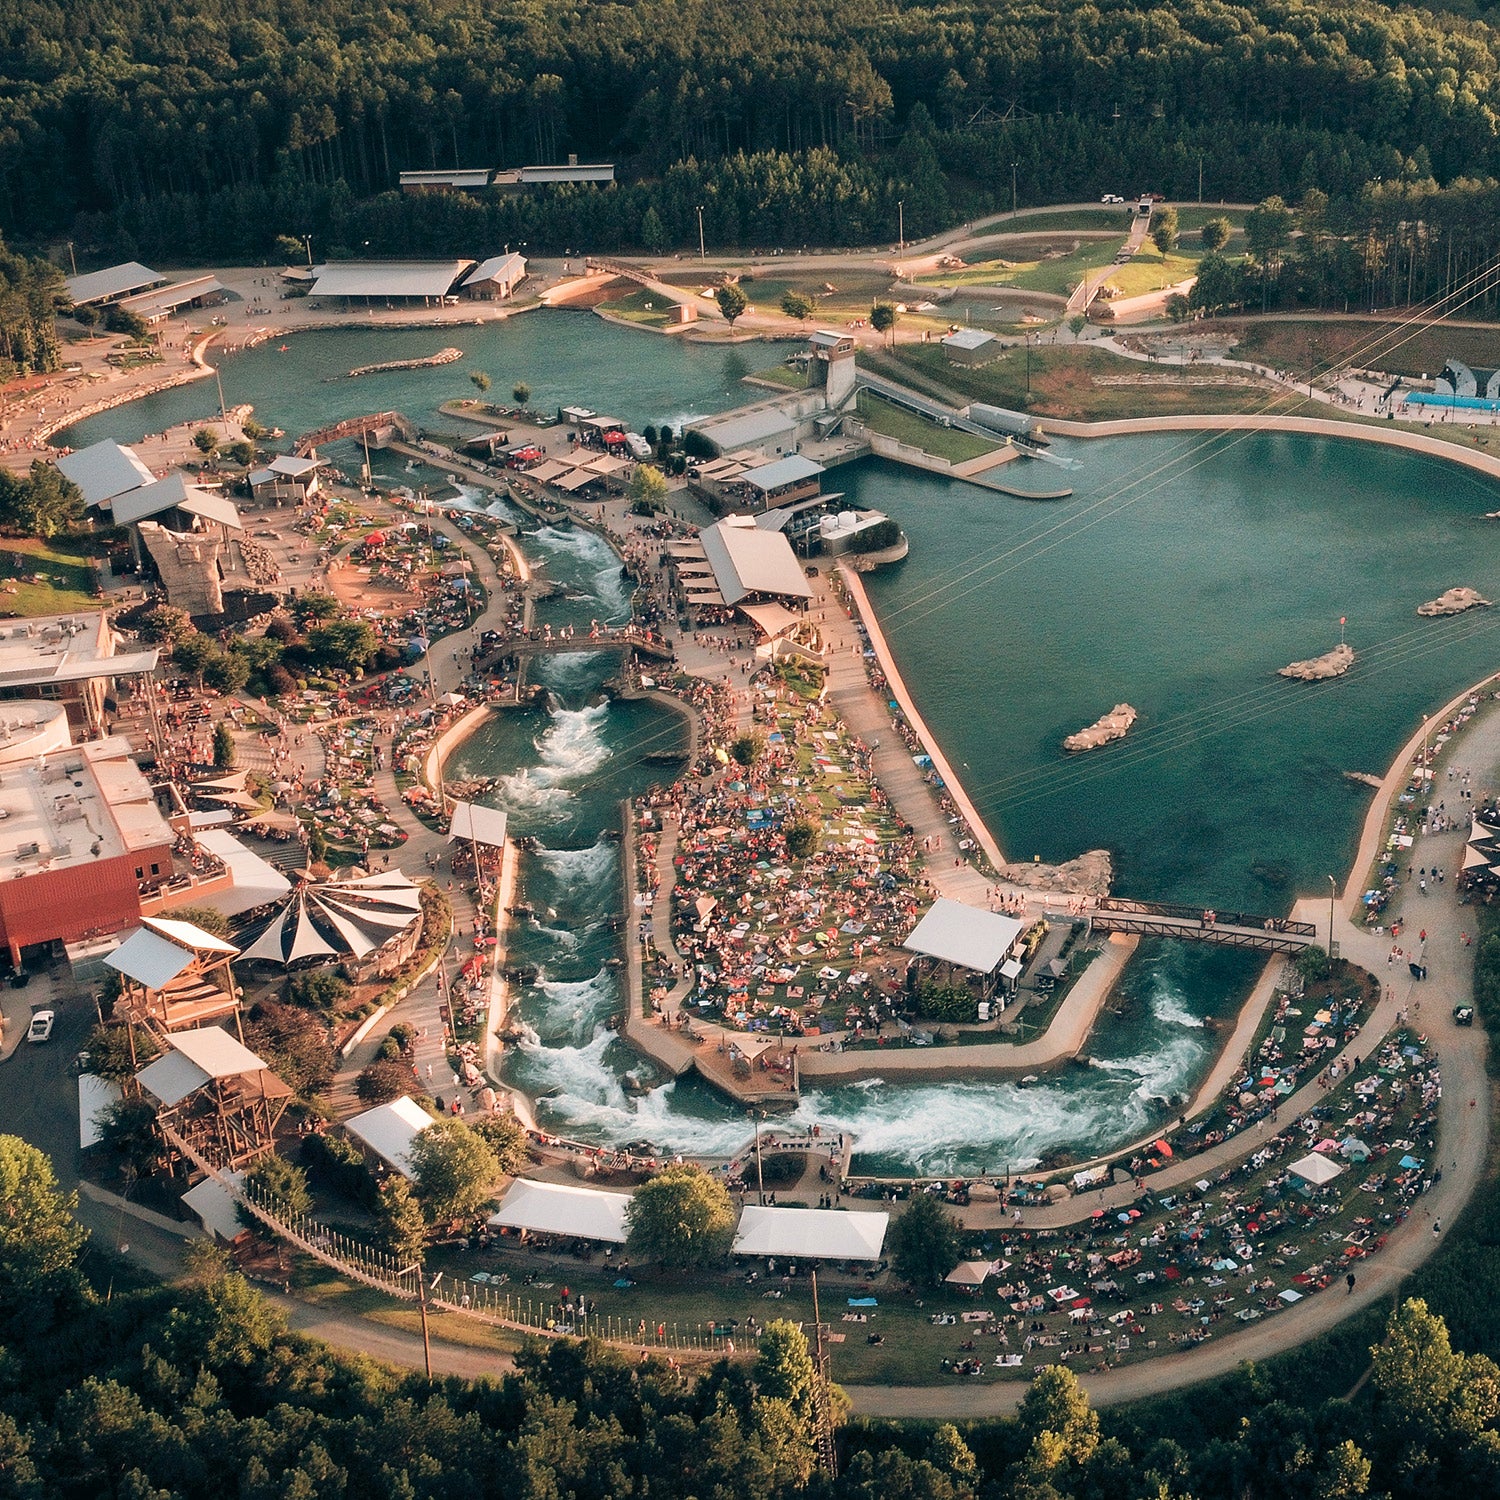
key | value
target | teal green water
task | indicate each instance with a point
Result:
(567, 358)
(1016, 623)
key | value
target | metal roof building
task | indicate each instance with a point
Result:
(459, 178)
(790, 473)
(174, 493)
(425, 280)
(104, 470)
(112, 282)
(767, 428)
(165, 300)
(503, 273)
(746, 560)
(971, 346)
(965, 936)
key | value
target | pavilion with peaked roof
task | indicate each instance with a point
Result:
(215, 1096)
(967, 943)
(375, 918)
(174, 975)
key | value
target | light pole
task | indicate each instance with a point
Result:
(901, 225)
(307, 240)
(1013, 190)
(760, 1182)
(421, 1303)
(702, 252)
(1333, 891)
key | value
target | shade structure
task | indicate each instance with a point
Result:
(389, 1130)
(1316, 1169)
(555, 1208)
(335, 918)
(483, 825)
(970, 1273)
(967, 936)
(811, 1233)
(215, 1207)
(257, 882)
(162, 948)
(193, 1059)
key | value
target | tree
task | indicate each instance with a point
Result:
(346, 645)
(1313, 963)
(242, 452)
(224, 749)
(400, 1229)
(384, 1080)
(286, 248)
(480, 381)
(283, 1183)
(295, 1043)
(746, 749)
(801, 836)
(39, 1241)
(1220, 284)
(648, 490)
(1076, 324)
(795, 305)
(506, 1137)
(883, 318)
(322, 990)
(226, 672)
(41, 503)
(317, 845)
(1344, 1473)
(110, 1051)
(924, 1241)
(455, 1170)
(1178, 308)
(653, 236)
(948, 1451)
(1215, 233)
(164, 624)
(1062, 1432)
(682, 1217)
(128, 1133)
(206, 441)
(208, 918)
(1164, 231)
(732, 301)
(784, 1367)
(193, 653)
(520, 393)
(313, 606)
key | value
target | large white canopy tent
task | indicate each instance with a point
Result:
(556, 1208)
(479, 824)
(1316, 1169)
(811, 1233)
(389, 1130)
(334, 918)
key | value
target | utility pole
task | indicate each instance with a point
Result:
(72, 259)
(1200, 179)
(307, 240)
(223, 411)
(1013, 190)
(760, 1183)
(1333, 890)
(901, 225)
(422, 1304)
(702, 252)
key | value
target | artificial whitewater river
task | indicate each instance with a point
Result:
(1184, 570)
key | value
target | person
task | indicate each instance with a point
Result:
(1349, 1282)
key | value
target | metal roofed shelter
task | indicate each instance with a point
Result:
(497, 278)
(971, 347)
(772, 620)
(578, 1213)
(424, 281)
(112, 282)
(573, 171)
(216, 1096)
(288, 476)
(811, 1233)
(970, 1273)
(215, 1208)
(965, 937)
(788, 479)
(174, 493)
(748, 561)
(154, 306)
(458, 179)
(388, 1131)
(255, 881)
(175, 975)
(766, 429)
(105, 469)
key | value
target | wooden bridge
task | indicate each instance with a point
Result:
(1196, 924)
(380, 424)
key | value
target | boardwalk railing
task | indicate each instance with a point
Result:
(1201, 925)
(482, 1302)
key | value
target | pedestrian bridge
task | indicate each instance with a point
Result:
(1196, 924)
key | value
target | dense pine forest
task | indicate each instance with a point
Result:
(202, 129)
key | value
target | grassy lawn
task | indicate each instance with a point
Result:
(1058, 275)
(45, 578)
(1191, 220)
(792, 377)
(1150, 270)
(907, 427)
(1369, 343)
(1106, 216)
(647, 308)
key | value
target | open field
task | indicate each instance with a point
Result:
(45, 578)
(907, 427)
(1365, 344)
(1057, 274)
(640, 306)
(1149, 270)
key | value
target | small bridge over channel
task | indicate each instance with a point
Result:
(1196, 924)
(624, 640)
(381, 426)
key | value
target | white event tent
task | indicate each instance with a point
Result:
(389, 1130)
(811, 1233)
(1316, 1169)
(555, 1208)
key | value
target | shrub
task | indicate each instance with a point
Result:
(384, 1080)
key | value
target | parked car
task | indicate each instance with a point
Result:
(1111, 198)
(40, 1029)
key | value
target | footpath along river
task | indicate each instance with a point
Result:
(1181, 574)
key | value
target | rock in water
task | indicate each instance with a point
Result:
(1115, 725)
(1454, 602)
(1331, 664)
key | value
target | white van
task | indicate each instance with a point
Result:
(639, 447)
